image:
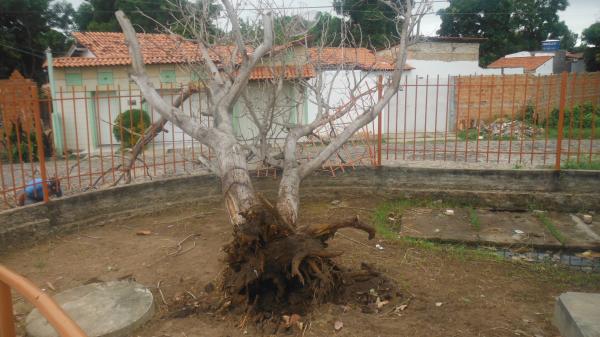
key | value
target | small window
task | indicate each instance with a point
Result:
(73, 79)
(167, 76)
(105, 77)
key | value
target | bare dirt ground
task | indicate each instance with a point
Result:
(448, 291)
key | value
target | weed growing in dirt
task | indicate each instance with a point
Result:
(474, 219)
(551, 227)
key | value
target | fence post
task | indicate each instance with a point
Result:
(7, 319)
(379, 127)
(39, 140)
(561, 118)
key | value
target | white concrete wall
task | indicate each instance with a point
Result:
(453, 68)
(546, 68)
(336, 91)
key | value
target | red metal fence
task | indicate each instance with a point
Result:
(475, 121)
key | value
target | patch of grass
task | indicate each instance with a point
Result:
(388, 215)
(551, 227)
(574, 133)
(472, 134)
(559, 274)
(40, 264)
(459, 251)
(585, 163)
(474, 219)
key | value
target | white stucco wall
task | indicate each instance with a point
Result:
(340, 86)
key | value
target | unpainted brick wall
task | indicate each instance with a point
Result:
(490, 97)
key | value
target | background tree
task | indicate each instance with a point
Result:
(27, 28)
(98, 15)
(146, 15)
(270, 256)
(591, 54)
(508, 25)
(373, 20)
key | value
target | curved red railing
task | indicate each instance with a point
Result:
(55, 315)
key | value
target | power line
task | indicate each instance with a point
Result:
(41, 56)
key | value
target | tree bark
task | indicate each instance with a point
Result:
(238, 190)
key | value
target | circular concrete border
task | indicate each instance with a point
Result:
(109, 309)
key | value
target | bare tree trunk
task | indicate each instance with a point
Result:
(235, 180)
(288, 198)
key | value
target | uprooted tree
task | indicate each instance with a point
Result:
(270, 260)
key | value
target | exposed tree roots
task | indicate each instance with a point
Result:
(275, 268)
(276, 272)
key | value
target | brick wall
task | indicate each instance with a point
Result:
(490, 97)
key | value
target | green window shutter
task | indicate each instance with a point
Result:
(73, 79)
(236, 119)
(167, 76)
(105, 77)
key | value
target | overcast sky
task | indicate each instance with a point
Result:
(579, 15)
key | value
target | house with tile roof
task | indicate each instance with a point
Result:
(538, 65)
(532, 62)
(92, 86)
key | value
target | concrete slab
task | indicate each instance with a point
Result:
(499, 228)
(496, 228)
(578, 314)
(110, 309)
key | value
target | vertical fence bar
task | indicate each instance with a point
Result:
(571, 99)
(478, 124)
(76, 126)
(594, 107)
(468, 120)
(526, 105)
(64, 140)
(561, 118)
(7, 318)
(40, 144)
(98, 126)
(502, 87)
(405, 114)
(447, 121)
(512, 118)
(414, 155)
(581, 114)
(88, 137)
(435, 126)
(491, 88)
(535, 116)
(551, 88)
(425, 117)
(379, 119)
(458, 85)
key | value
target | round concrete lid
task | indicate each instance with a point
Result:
(109, 309)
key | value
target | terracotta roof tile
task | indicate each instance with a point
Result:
(360, 58)
(529, 63)
(110, 49)
(266, 72)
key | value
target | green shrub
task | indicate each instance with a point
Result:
(581, 115)
(130, 125)
(16, 142)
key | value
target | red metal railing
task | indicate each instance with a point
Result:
(496, 121)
